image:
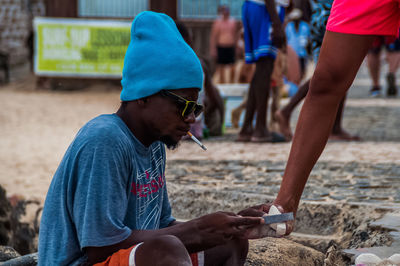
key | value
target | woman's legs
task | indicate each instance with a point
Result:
(339, 61)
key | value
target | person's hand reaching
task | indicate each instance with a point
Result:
(273, 230)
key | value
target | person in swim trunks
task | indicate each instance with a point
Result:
(223, 41)
(108, 202)
(263, 35)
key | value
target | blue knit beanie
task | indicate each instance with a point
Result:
(158, 58)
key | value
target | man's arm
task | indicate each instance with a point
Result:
(213, 39)
(278, 35)
(198, 234)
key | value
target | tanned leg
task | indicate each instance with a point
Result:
(262, 83)
(340, 58)
(222, 74)
(338, 133)
(257, 101)
(232, 73)
(236, 113)
(247, 128)
(374, 67)
(393, 59)
(283, 115)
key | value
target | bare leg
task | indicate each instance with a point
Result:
(232, 73)
(393, 59)
(257, 101)
(374, 67)
(262, 83)
(338, 133)
(232, 254)
(340, 58)
(221, 73)
(237, 112)
(283, 115)
(273, 123)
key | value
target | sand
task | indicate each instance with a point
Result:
(36, 127)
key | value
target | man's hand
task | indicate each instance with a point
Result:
(259, 211)
(220, 227)
(278, 36)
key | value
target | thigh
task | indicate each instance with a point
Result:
(264, 66)
(340, 58)
(234, 252)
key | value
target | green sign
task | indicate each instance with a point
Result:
(80, 47)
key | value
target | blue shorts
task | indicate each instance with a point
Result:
(257, 31)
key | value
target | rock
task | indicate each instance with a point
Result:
(5, 214)
(14, 232)
(27, 260)
(7, 253)
(280, 251)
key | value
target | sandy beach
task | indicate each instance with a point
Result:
(352, 187)
(38, 125)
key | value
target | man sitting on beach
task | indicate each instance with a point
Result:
(108, 202)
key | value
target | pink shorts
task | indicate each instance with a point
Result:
(365, 17)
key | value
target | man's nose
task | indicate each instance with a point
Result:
(191, 118)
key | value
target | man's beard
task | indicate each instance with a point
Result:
(171, 144)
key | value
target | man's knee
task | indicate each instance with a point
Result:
(240, 247)
(162, 250)
(233, 252)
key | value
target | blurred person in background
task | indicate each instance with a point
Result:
(298, 37)
(263, 34)
(319, 19)
(305, 7)
(374, 65)
(212, 122)
(223, 41)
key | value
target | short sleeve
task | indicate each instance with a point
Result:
(166, 217)
(100, 200)
(166, 214)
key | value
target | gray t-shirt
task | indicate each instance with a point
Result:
(107, 185)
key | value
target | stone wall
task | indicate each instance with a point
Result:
(16, 18)
(16, 230)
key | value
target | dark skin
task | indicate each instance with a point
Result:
(213, 100)
(283, 117)
(260, 86)
(222, 234)
(340, 58)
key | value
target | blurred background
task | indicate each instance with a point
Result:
(18, 41)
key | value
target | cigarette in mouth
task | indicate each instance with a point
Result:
(197, 141)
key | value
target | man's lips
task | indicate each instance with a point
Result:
(183, 131)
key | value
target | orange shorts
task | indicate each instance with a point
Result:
(365, 17)
(127, 257)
